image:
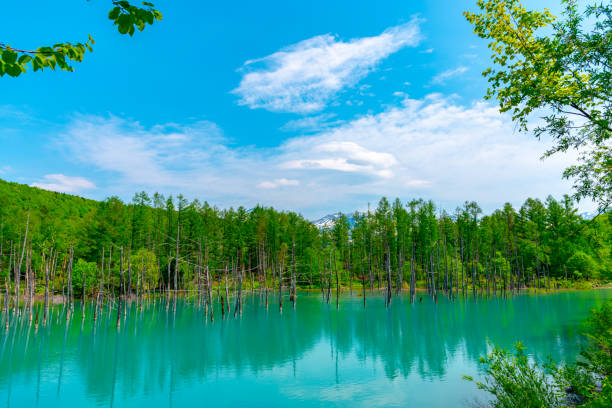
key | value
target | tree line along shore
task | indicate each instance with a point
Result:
(58, 247)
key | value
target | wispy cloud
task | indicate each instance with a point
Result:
(430, 147)
(442, 77)
(303, 77)
(64, 184)
(166, 156)
(310, 124)
(278, 183)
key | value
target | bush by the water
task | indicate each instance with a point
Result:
(515, 382)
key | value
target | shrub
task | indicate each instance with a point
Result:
(514, 382)
(83, 269)
(582, 265)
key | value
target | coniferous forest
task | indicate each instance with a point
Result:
(64, 247)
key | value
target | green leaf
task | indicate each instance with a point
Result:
(113, 14)
(24, 59)
(124, 23)
(37, 63)
(9, 56)
(13, 70)
(149, 18)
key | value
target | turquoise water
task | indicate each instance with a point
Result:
(315, 355)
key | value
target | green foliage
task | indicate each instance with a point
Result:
(125, 16)
(15, 62)
(535, 245)
(565, 73)
(84, 271)
(145, 263)
(581, 265)
(514, 382)
(597, 355)
(128, 17)
(590, 377)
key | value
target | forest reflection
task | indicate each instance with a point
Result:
(157, 347)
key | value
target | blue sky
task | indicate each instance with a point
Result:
(311, 106)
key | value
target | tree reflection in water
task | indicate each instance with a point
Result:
(158, 352)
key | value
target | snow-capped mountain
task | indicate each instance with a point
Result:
(329, 220)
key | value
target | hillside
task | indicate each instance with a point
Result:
(54, 217)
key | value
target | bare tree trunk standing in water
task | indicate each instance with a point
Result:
(176, 263)
(129, 285)
(47, 271)
(456, 271)
(227, 290)
(238, 305)
(209, 294)
(370, 250)
(363, 291)
(263, 255)
(118, 324)
(292, 293)
(18, 269)
(337, 283)
(69, 290)
(168, 283)
(329, 278)
(108, 293)
(412, 276)
(388, 267)
(101, 288)
(350, 270)
(280, 283)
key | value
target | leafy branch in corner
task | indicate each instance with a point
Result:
(126, 16)
(565, 75)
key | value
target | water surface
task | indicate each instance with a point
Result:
(315, 355)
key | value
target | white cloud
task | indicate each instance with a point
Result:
(278, 183)
(431, 147)
(346, 156)
(303, 77)
(443, 76)
(311, 123)
(165, 157)
(64, 184)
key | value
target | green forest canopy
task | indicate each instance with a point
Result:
(540, 237)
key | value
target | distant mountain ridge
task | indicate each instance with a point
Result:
(328, 221)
